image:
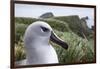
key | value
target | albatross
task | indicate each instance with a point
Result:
(37, 47)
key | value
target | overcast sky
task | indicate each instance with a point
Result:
(34, 11)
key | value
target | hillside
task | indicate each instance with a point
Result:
(62, 23)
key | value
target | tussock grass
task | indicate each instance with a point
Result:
(79, 50)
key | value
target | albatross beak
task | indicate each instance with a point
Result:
(57, 40)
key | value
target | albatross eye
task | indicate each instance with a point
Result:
(44, 29)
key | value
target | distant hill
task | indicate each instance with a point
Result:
(47, 15)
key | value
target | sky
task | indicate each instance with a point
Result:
(34, 11)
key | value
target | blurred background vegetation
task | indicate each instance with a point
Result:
(71, 29)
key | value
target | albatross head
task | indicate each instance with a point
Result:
(42, 32)
(36, 40)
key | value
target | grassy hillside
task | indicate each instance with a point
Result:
(68, 28)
